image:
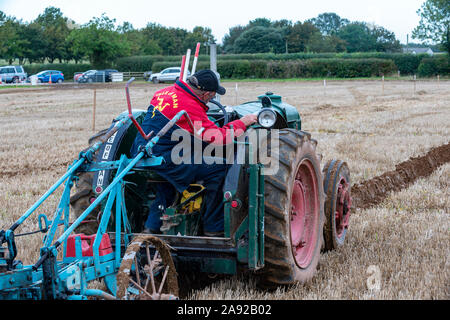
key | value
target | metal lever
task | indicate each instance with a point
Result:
(130, 112)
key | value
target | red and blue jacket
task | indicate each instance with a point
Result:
(166, 103)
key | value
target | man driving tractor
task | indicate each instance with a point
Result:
(191, 96)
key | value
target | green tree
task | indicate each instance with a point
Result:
(170, 40)
(230, 38)
(133, 37)
(329, 23)
(34, 48)
(385, 40)
(72, 49)
(259, 40)
(99, 41)
(330, 43)
(55, 31)
(301, 35)
(358, 37)
(260, 22)
(12, 44)
(434, 23)
(282, 26)
(199, 34)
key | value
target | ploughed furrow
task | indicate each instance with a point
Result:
(372, 192)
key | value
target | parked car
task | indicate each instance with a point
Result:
(12, 74)
(168, 74)
(86, 76)
(97, 76)
(76, 75)
(44, 76)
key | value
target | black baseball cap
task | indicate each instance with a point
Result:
(207, 80)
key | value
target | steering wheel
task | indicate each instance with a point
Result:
(225, 117)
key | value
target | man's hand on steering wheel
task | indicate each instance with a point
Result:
(249, 119)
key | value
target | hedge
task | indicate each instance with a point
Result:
(348, 68)
(439, 65)
(241, 69)
(67, 69)
(340, 68)
(406, 63)
(137, 63)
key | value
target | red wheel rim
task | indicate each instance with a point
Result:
(343, 205)
(304, 214)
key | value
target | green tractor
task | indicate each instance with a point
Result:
(280, 210)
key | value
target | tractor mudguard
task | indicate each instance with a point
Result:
(108, 152)
(119, 143)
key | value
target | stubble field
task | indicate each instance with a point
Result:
(397, 248)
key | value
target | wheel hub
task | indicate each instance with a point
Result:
(304, 215)
(343, 206)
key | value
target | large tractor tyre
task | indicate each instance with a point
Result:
(337, 187)
(294, 212)
(84, 196)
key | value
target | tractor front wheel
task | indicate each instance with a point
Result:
(294, 212)
(337, 206)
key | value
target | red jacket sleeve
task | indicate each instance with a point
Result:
(211, 132)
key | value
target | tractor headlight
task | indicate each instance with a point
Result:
(267, 118)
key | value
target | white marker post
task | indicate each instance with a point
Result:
(197, 51)
(382, 85)
(186, 67)
(325, 87)
(415, 86)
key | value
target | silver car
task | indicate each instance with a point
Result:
(12, 74)
(168, 74)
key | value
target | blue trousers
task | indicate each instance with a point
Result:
(180, 177)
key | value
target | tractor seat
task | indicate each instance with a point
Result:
(149, 175)
(152, 176)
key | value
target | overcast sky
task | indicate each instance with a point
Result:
(399, 16)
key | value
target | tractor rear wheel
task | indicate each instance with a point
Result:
(337, 206)
(294, 214)
(84, 196)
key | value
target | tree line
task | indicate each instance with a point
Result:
(330, 33)
(326, 33)
(53, 37)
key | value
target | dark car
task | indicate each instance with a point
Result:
(92, 76)
(78, 77)
(96, 76)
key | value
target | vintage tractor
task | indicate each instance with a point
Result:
(279, 214)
